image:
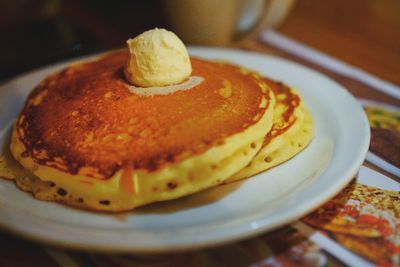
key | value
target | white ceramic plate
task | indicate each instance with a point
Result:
(218, 215)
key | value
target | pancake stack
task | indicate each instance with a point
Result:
(86, 139)
(291, 132)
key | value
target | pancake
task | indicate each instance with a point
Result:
(86, 140)
(291, 132)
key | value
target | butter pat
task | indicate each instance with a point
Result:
(157, 58)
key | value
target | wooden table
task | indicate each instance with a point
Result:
(364, 33)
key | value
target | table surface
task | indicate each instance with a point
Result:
(363, 33)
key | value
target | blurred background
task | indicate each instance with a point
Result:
(39, 32)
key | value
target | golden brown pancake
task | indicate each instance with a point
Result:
(291, 132)
(99, 146)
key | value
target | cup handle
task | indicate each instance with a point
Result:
(273, 12)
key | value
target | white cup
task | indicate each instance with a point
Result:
(223, 22)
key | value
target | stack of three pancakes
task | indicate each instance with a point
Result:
(86, 140)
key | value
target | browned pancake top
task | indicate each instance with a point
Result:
(284, 98)
(85, 116)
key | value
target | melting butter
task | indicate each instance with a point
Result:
(192, 82)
